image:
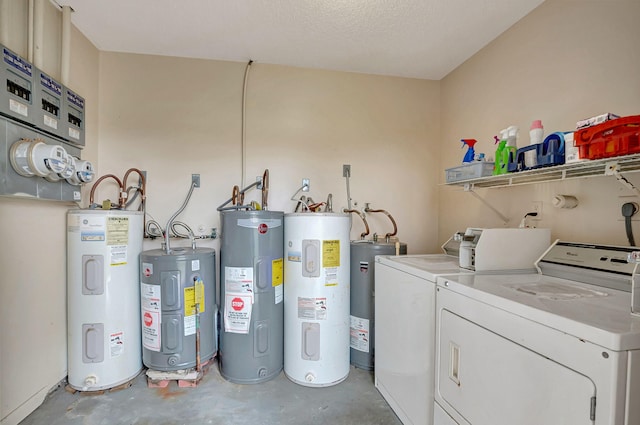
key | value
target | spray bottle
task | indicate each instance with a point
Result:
(500, 166)
(469, 156)
(510, 150)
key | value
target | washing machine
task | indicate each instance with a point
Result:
(405, 330)
(559, 346)
(405, 305)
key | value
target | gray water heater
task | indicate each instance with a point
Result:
(251, 292)
(362, 329)
(177, 303)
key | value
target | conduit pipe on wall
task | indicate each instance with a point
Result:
(30, 13)
(4, 22)
(65, 47)
(244, 125)
(38, 34)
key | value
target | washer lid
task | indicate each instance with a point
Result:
(427, 267)
(588, 312)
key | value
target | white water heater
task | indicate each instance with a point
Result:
(316, 298)
(103, 298)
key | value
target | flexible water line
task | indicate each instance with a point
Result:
(177, 213)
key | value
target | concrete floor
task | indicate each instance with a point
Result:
(217, 401)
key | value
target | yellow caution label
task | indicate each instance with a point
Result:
(192, 295)
(117, 230)
(331, 253)
(277, 274)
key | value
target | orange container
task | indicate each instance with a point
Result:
(611, 138)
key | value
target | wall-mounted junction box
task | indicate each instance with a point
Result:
(16, 87)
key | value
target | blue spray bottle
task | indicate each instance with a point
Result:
(469, 156)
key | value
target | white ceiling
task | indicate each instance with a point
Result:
(407, 38)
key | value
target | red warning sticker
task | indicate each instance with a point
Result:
(262, 228)
(148, 320)
(237, 304)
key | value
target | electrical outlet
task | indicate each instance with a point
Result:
(195, 180)
(305, 185)
(346, 170)
(536, 206)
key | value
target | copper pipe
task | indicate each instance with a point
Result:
(364, 220)
(95, 185)
(234, 195)
(395, 227)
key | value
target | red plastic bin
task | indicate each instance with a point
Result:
(612, 138)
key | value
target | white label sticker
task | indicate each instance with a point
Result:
(237, 313)
(74, 134)
(18, 108)
(360, 334)
(150, 299)
(92, 228)
(312, 308)
(76, 195)
(118, 255)
(331, 276)
(50, 122)
(151, 330)
(195, 265)
(189, 325)
(116, 344)
(279, 291)
(150, 296)
(238, 281)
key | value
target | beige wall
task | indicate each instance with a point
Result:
(564, 61)
(173, 117)
(33, 323)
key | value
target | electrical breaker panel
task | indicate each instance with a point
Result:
(16, 91)
(74, 107)
(50, 112)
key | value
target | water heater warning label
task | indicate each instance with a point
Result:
(116, 344)
(331, 253)
(150, 302)
(117, 230)
(277, 279)
(237, 313)
(359, 334)
(312, 308)
(193, 296)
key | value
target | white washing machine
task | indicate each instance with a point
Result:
(405, 302)
(556, 347)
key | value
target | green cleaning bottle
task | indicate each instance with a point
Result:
(500, 167)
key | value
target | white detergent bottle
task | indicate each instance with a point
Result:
(536, 136)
